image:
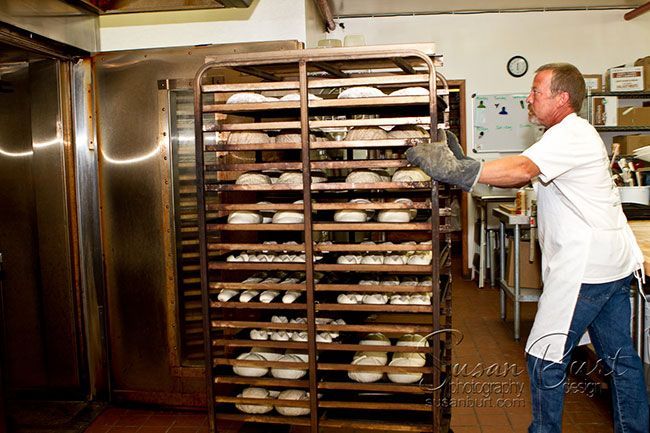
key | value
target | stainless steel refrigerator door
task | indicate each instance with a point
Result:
(41, 321)
(138, 231)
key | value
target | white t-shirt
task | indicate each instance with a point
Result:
(577, 195)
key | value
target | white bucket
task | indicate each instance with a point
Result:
(635, 194)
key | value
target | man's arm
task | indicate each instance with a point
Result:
(512, 171)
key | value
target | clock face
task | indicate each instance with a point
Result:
(517, 66)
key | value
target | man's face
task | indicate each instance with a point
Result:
(542, 103)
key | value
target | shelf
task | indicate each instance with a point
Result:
(372, 368)
(629, 95)
(375, 406)
(258, 305)
(255, 227)
(267, 401)
(316, 83)
(316, 107)
(261, 381)
(215, 246)
(374, 387)
(357, 347)
(370, 226)
(351, 288)
(266, 419)
(259, 286)
(622, 128)
(343, 144)
(257, 266)
(393, 269)
(345, 424)
(259, 343)
(375, 308)
(395, 426)
(323, 186)
(525, 294)
(319, 124)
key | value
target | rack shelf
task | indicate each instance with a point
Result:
(320, 326)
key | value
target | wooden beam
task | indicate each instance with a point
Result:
(404, 65)
(636, 12)
(330, 69)
(326, 13)
(257, 73)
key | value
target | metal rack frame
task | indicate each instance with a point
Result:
(274, 68)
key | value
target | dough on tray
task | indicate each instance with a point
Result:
(361, 92)
(250, 371)
(366, 133)
(252, 178)
(410, 174)
(248, 137)
(408, 131)
(411, 91)
(246, 98)
(363, 176)
(292, 394)
(254, 408)
(296, 97)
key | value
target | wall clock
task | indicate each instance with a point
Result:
(517, 66)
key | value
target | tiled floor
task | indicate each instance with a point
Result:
(490, 384)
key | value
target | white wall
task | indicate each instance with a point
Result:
(476, 47)
(313, 23)
(264, 20)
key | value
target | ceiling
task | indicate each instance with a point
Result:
(351, 8)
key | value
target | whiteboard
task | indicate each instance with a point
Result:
(501, 123)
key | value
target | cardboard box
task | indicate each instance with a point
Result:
(645, 63)
(604, 110)
(593, 82)
(625, 79)
(629, 143)
(634, 116)
(530, 273)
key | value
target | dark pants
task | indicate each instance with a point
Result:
(603, 310)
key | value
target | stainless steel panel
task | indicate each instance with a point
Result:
(41, 324)
(18, 237)
(54, 19)
(134, 195)
(90, 260)
(53, 227)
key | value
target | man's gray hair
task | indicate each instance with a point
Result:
(567, 78)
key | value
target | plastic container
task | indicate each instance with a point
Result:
(635, 194)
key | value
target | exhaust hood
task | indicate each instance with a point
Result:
(131, 6)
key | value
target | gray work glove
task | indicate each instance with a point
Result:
(454, 145)
(440, 161)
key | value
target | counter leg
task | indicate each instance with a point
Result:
(481, 261)
(491, 245)
(502, 262)
(517, 288)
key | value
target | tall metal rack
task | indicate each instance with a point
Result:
(320, 334)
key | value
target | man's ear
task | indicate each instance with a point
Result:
(563, 99)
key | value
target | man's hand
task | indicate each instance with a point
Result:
(439, 162)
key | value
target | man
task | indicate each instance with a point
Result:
(588, 249)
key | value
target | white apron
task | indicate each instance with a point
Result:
(566, 241)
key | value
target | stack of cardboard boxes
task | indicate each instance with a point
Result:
(607, 112)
